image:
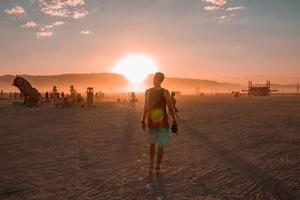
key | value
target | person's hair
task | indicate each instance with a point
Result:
(159, 77)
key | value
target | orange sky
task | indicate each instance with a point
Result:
(230, 41)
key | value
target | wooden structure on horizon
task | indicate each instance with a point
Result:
(259, 90)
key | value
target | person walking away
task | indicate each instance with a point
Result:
(157, 99)
(132, 100)
(173, 100)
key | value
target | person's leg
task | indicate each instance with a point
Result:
(163, 141)
(159, 159)
(152, 153)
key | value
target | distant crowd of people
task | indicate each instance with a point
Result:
(11, 95)
(131, 100)
(62, 99)
(54, 97)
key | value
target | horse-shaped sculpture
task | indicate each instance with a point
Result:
(31, 95)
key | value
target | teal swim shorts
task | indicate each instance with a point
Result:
(159, 137)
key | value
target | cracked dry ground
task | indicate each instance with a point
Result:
(227, 148)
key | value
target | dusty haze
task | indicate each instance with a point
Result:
(111, 83)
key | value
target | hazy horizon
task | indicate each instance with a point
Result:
(117, 83)
(238, 80)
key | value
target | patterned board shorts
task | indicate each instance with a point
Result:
(159, 137)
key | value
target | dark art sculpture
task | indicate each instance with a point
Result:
(31, 95)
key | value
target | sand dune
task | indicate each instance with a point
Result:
(227, 148)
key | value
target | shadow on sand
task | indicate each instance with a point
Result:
(262, 178)
(129, 131)
(156, 186)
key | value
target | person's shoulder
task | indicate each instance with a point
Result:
(148, 91)
(166, 90)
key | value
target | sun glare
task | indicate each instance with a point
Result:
(135, 67)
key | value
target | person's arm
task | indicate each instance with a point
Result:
(169, 104)
(146, 109)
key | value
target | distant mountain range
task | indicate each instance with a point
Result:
(110, 82)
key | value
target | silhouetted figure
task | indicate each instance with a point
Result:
(80, 99)
(55, 96)
(65, 102)
(157, 99)
(73, 94)
(47, 96)
(132, 99)
(173, 100)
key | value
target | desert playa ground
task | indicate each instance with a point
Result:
(227, 148)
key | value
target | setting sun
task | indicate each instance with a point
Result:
(135, 67)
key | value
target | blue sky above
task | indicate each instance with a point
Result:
(211, 39)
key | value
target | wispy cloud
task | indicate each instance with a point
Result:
(75, 3)
(216, 2)
(17, 10)
(56, 9)
(213, 5)
(220, 7)
(86, 32)
(236, 8)
(62, 8)
(80, 14)
(225, 18)
(48, 26)
(212, 8)
(41, 34)
(58, 23)
(29, 24)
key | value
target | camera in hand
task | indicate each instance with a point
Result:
(174, 128)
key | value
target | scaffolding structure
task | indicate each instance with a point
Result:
(259, 90)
